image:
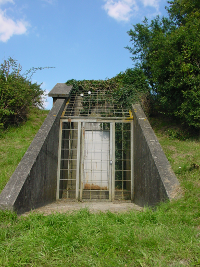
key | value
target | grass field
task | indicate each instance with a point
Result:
(168, 235)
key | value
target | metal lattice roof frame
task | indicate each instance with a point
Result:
(95, 105)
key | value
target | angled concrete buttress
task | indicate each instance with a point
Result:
(154, 179)
(33, 183)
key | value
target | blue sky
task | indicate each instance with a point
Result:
(81, 39)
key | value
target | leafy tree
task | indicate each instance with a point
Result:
(132, 88)
(17, 93)
(179, 10)
(169, 53)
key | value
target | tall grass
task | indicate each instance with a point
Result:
(167, 235)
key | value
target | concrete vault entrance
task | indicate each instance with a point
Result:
(91, 148)
(95, 159)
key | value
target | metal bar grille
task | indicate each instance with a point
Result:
(68, 160)
(122, 161)
(95, 104)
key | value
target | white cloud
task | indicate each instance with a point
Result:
(120, 10)
(9, 27)
(153, 3)
(6, 1)
(123, 10)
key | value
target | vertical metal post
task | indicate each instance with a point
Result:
(122, 154)
(82, 161)
(112, 158)
(132, 163)
(110, 163)
(59, 157)
(69, 154)
(78, 159)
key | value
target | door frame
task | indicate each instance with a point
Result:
(111, 159)
(80, 149)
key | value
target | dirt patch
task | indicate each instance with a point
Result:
(64, 206)
(172, 148)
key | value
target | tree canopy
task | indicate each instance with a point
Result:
(167, 50)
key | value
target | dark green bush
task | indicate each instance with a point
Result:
(17, 94)
(167, 50)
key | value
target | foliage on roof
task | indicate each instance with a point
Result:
(127, 87)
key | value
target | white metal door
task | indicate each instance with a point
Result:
(96, 161)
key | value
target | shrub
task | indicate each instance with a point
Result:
(17, 93)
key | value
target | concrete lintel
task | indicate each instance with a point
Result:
(154, 179)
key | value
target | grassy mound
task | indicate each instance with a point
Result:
(14, 142)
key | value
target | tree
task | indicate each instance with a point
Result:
(17, 93)
(180, 10)
(168, 51)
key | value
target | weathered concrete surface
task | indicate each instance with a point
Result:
(64, 206)
(154, 179)
(60, 90)
(33, 183)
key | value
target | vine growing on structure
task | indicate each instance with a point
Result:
(126, 88)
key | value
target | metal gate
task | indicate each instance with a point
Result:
(95, 160)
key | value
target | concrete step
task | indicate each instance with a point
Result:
(97, 194)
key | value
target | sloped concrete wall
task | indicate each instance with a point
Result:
(154, 179)
(33, 183)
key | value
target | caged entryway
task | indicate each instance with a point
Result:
(90, 148)
(95, 159)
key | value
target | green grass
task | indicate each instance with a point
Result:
(168, 235)
(14, 142)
